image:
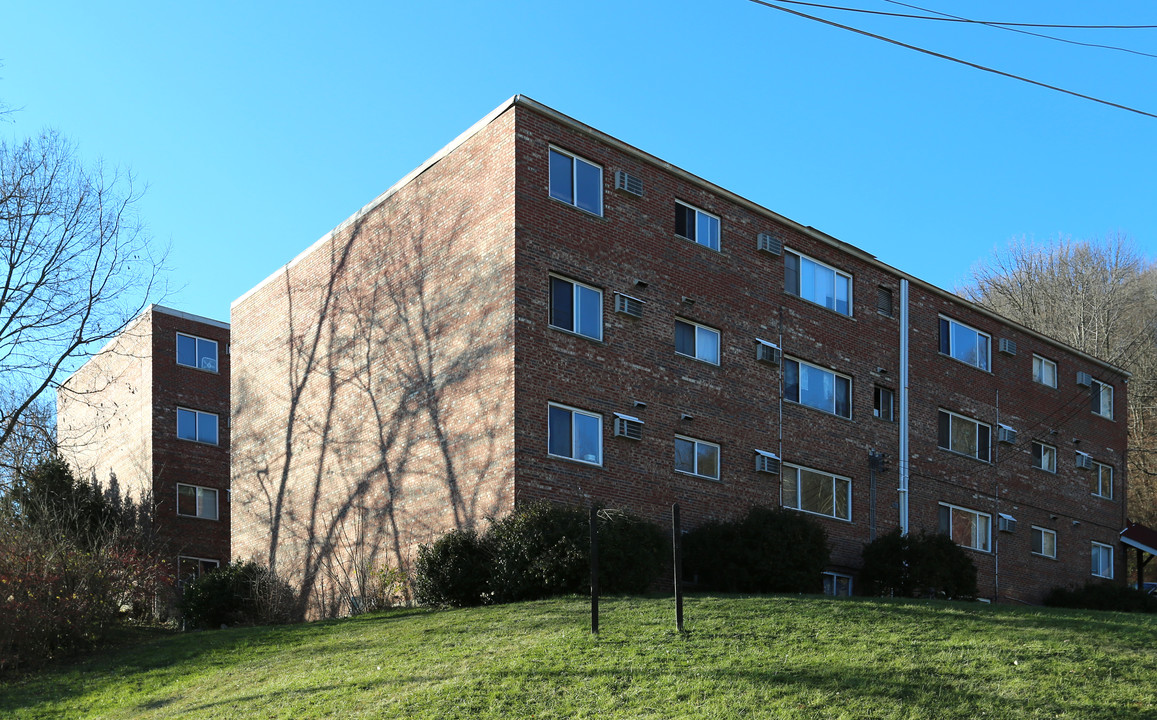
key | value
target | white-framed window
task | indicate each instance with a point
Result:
(1102, 560)
(1104, 487)
(1044, 371)
(197, 426)
(196, 501)
(1044, 456)
(576, 181)
(816, 387)
(837, 584)
(696, 225)
(697, 341)
(883, 404)
(696, 457)
(576, 307)
(1102, 399)
(968, 528)
(196, 352)
(1044, 542)
(818, 282)
(574, 434)
(817, 492)
(964, 435)
(191, 568)
(966, 344)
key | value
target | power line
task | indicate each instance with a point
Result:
(954, 59)
(954, 18)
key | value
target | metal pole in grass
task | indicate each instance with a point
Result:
(594, 571)
(677, 543)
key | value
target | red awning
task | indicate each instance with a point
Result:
(1140, 537)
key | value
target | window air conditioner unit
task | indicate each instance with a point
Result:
(766, 352)
(1084, 461)
(1006, 523)
(766, 462)
(628, 183)
(1005, 434)
(769, 244)
(628, 305)
(628, 427)
(1008, 347)
(1084, 379)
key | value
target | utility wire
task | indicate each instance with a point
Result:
(1004, 26)
(953, 59)
(954, 18)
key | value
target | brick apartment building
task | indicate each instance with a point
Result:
(541, 311)
(149, 414)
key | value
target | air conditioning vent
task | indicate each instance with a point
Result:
(1006, 523)
(766, 352)
(628, 427)
(1084, 379)
(769, 243)
(1084, 461)
(766, 462)
(1008, 347)
(884, 301)
(1005, 434)
(628, 183)
(628, 305)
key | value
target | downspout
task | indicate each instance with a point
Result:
(996, 495)
(903, 459)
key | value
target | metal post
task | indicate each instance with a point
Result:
(677, 542)
(594, 571)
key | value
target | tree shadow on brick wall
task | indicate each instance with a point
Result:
(388, 427)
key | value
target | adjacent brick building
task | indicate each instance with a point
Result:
(149, 415)
(541, 311)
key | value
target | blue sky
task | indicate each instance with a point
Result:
(260, 126)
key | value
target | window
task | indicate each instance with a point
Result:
(964, 343)
(837, 585)
(1044, 542)
(196, 352)
(576, 308)
(964, 435)
(817, 282)
(1044, 457)
(1104, 486)
(1102, 560)
(197, 426)
(194, 501)
(815, 387)
(576, 181)
(1044, 371)
(817, 492)
(967, 528)
(882, 404)
(696, 457)
(697, 341)
(1102, 399)
(575, 434)
(191, 568)
(696, 225)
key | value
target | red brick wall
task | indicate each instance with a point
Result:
(373, 392)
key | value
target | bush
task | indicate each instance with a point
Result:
(767, 551)
(917, 565)
(240, 593)
(538, 551)
(1102, 596)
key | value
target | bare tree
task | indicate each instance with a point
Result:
(77, 266)
(1099, 296)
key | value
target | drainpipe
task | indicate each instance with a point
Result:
(903, 459)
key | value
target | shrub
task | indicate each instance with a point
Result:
(767, 551)
(538, 551)
(240, 593)
(632, 552)
(917, 565)
(1102, 596)
(452, 571)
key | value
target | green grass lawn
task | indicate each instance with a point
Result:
(790, 657)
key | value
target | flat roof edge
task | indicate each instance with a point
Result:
(187, 316)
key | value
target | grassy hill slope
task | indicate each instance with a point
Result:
(789, 657)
